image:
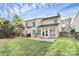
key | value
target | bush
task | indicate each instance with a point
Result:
(6, 29)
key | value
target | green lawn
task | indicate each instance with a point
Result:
(21, 46)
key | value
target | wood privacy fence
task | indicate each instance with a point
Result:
(65, 34)
(68, 34)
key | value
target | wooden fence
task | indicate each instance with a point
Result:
(68, 34)
(65, 34)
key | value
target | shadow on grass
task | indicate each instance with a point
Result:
(76, 47)
(56, 53)
(63, 47)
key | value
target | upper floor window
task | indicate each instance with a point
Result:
(55, 21)
(34, 24)
(26, 24)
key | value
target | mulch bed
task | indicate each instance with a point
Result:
(10, 37)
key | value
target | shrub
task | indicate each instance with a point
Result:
(6, 29)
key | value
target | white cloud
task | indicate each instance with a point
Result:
(39, 8)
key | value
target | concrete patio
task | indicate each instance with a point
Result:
(43, 39)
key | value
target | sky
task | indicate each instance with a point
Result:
(37, 10)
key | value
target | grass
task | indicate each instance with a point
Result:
(21, 46)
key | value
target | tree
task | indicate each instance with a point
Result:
(6, 29)
(18, 24)
(16, 20)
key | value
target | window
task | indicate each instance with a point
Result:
(43, 32)
(55, 21)
(52, 32)
(38, 32)
(46, 33)
(33, 24)
(26, 24)
(33, 32)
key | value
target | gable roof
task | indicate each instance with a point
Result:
(51, 17)
(58, 15)
(74, 17)
(33, 19)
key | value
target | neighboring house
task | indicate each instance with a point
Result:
(43, 27)
(66, 24)
(75, 22)
(75, 26)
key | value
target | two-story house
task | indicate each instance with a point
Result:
(43, 27)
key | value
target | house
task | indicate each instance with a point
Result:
(75, 22)
(65, 23)
(43, 27)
